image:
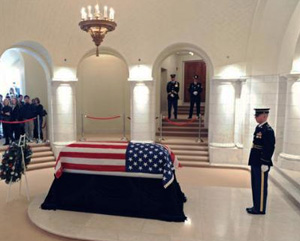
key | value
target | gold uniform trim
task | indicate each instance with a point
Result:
(262, 192)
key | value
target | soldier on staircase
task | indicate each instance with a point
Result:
(172, 90)
(195, 90)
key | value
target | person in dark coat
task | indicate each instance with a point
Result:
(28, 112)
(195, 90)
(38, 122)
(6, 116)
(173, 90)
(260, 161)
(15, 116)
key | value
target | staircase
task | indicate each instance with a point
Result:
(42, 156)
(182, 139)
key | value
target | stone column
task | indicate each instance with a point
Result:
(63, 114)
(240, 95)
(142, 111)
(290, 156)
(222, 117)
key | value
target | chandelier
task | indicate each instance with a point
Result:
(97, 23)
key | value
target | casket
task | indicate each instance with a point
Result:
(117, 178)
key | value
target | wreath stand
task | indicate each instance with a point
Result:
(21, 144)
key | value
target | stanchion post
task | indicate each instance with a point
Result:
(24, 168)
(39, 129)
(199, 139)
(160, 127)
(124, 128)
(82, 128)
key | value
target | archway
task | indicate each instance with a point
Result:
(187, 52)
(102, 91)
(187, 138)
(32, 68)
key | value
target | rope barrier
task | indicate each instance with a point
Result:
(17, 122)
(179, 124)
(102, 118)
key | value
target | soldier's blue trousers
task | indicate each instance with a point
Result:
(174, 103)
(259, 183)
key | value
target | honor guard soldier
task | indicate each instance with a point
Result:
(172, 90)
(260, 161)
(195, 90)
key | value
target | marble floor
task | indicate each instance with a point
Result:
(216, 210)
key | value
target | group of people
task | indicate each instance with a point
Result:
(195, 90)
(19, 117)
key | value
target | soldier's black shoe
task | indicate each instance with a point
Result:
(253, 211)
(249, 209)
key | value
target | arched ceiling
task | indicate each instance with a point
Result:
(239, 29)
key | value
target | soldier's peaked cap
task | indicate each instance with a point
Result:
(259, 111)
(173, 75)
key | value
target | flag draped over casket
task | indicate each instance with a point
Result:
(119, 159)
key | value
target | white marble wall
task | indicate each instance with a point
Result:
(64, 114)
(222, 119)
(142, 111)
(232, 120)
(263, 92)
(290, 155)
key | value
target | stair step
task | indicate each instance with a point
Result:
(178, 141)
(187, 129)
(194, 164)
(190, 153)
(196, 121)
(192, 124)
(287, 185)
(42, 154)
(183, 158)
(40, 166)
(40, 149)
(188, 147)
(187, 112)
(182, 134)
(188, 107)
(32, 145)
(36, 160)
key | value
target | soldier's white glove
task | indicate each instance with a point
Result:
(195, 92)
(264, 168)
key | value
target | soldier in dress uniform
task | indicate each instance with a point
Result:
(260, 161)
(172, 90)
(195, 96)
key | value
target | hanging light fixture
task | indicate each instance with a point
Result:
(97, 23)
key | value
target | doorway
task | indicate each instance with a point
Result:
(192, 68)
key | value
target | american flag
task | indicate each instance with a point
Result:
(150, 158)
(119, 159)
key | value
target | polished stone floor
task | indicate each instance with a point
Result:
(214, 213)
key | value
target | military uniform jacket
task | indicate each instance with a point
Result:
(263, 146)
(173, 89)
(195, 87)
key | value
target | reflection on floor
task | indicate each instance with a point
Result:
(216, 209)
